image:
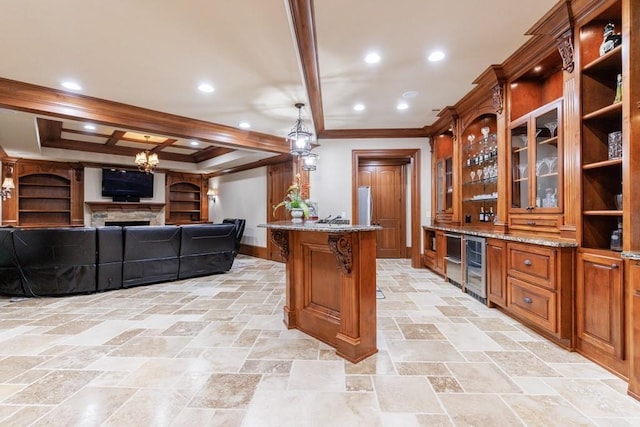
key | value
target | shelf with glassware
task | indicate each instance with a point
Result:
(480, 178)
(601, 145)
(536, 170)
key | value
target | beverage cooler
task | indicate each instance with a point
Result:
(475, 267)
(453, 259)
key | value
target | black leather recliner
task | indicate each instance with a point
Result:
(10, 281)
(239, 231)
(150, 254)
(206, 249)
(110, 256)
(57, 261)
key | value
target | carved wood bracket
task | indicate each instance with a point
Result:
(498, 98)
(281, 240)
(340, 245)
(565, 47)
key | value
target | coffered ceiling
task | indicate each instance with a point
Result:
(260, 56)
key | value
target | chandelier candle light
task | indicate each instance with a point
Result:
(299, 139)
(7, 184)
(146, 160)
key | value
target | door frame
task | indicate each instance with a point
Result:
(413, 157)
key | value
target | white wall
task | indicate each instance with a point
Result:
(93, 191)
(331, 182)
(242, 195)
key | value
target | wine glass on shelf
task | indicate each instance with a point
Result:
(552, 126)
(538, 131)
(522, 168)
(473, 176)
(524, 139)
(552, 163)
(479, 173)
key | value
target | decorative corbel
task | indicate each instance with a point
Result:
(565, 47)
(498, 98)
(340, 245)
(281, 240)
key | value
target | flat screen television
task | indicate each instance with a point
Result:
(126, 185)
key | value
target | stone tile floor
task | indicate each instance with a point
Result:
(213, 351)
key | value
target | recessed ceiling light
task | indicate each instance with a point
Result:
(71, 85)
(402, 106)
(205, 87)
(194, 143)
(90, 127)
(436, 55)
(372, 58)
(410, 94)
(244, 125)
(358, 107)
(538, 68)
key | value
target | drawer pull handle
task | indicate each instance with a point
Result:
(527, 300)
(531, 223)
(527, 262)
(614, 266)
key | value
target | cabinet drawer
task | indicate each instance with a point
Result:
(537, 223)
(535, 264)
(532, 302)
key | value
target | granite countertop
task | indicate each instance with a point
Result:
(556, 242)
(317, 226)
(632, 255)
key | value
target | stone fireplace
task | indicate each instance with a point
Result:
(111, 212)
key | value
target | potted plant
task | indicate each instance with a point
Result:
(294, 201)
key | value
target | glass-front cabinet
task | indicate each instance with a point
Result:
(536, 165)
(480, 172)
(444, 184)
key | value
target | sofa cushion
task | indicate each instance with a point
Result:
(110, 256)
(57, 261)
(10, 281)
(206, 249)
(150, 254)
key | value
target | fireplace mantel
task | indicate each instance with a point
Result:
(131, 206)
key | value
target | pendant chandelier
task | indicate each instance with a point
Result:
(146, 160)
(309, 162)
(299, 139)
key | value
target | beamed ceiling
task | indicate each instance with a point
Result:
(139, 64)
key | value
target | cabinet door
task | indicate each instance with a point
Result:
(497, 272)
(634, 351)
(441, 252)
(536, 161)
(599, 304)
(444, 185)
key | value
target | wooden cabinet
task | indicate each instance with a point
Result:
(47, 194)
(443, 178)
(539, 288)
(600, 310)
(497, 272)
(186, 199)
(633, 287)
(480, 171)
(434, 250)
(536, 192)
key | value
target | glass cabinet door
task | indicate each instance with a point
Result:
(536, 161)
(546, 160)
(440, 188)
(520, 166)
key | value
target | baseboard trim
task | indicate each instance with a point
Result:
(254, 251)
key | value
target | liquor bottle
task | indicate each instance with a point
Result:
(618, 97)
(482, 215)
(491, 215)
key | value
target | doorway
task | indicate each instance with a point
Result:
(411, 159)
(386, 180)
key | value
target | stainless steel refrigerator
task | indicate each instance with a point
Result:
(365, 205)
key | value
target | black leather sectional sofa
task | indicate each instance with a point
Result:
(64, 261)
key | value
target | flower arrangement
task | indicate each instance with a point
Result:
(297, 193)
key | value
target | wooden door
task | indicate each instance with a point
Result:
(279, 178)
(497, 272)
(600, 310)
(387, 182)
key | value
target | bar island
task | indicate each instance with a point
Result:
(330, 283)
